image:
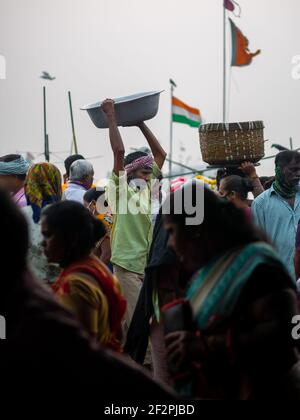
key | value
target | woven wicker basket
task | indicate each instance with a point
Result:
(232, 143)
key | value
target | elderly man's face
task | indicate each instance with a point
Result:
(291, 173)
(89, 182)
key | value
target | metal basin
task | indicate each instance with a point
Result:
(130, 110)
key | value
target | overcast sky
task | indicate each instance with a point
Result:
(111, 48)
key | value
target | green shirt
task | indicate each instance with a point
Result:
(131, 234)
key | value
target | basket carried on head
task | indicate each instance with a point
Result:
(232, 143)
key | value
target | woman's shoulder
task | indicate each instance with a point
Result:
(84, 287)
(91, 276)
(265, 280)
(80, 279)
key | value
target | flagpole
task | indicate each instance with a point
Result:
(47, 148)
(72, 122)
(224, 63)
(46, 138)
(172, 85)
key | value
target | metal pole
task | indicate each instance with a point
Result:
(72, 122)
(173, 85)
(171, 132)
(46, 141)
(291, 143)
(47, 149)
(224, 64)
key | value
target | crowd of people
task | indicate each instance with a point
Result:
(103, 285)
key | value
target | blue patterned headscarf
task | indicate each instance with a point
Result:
(19, 166)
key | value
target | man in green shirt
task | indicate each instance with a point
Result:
(130, 195)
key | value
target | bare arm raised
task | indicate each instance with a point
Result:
(158, 152)
(115, 136)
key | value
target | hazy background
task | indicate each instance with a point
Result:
(110, 48)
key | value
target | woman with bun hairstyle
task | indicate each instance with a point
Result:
(236, 189)
(86, 286)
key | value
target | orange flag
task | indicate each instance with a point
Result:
(241, 55)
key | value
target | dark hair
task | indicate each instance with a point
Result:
(13, 228)
(11, 158)
(268, 184)
(224, 224)
(133, 156)
(225, 172)
(242, 186)
(93, 194)
(70, 160)
(73, 221)
(264, 179)
(286, 157)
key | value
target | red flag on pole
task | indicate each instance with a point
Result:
(229, 5)
(232, 5)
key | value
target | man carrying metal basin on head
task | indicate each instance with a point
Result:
(129, 195)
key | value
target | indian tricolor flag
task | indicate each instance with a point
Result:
(185, 114)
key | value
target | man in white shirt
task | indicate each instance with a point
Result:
(81, 180)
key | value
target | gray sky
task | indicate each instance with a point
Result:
(109, 48)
